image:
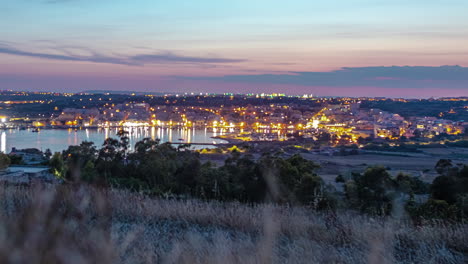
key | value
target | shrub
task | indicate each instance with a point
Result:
(435, 209)
(4, 161)
(339, 178)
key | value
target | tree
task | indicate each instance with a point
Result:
(352, 195)
(435, 209)
(339, 178)
(374, 191)
(109, 159)
(184, 147)
(124, 143)
(47, 154)
(309, 189)
(444, 188)
(212, 183)
(89, 172)
(408, 184)
(145, 145)
(57, 165)
(444, 166)
(245, 181)
(452, 184)
(188, 168)
(283, 176)
(4, 161)
(76, 157)
(16, 160)
(254, 186)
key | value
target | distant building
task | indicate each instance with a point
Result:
(76, 117)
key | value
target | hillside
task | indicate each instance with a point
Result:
(79, 224)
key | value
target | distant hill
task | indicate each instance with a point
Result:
(124, 92)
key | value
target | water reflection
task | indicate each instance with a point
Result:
(58, 140)
(3, 142)
(153, 133)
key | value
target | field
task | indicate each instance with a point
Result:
(419, 164)
(78, 224)
(416, 164)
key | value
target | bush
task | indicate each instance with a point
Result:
(4, 161)
(435, 209)
(372, 192)
(339, 178)
(409, 184)
(16, 160)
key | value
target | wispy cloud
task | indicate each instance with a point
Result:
(171, 57)
(386, 77)
(139, 59)
(96, 58)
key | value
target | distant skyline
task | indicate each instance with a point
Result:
(386, 48)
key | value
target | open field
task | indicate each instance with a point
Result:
(450, 152)
(334, 165)
(83, 225)
(416, 164)
(420, 164)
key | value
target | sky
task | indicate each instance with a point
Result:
(396, 48)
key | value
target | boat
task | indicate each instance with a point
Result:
(35, 130)
(181, 139)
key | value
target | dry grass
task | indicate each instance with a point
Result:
(63, 224)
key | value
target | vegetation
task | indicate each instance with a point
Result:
(16, 160)
(339, 178)
(161, 170)
(420, 108)
(161, 204)
(4, 161)
(79, 224)
(386, 147)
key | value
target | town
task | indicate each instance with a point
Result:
(233, 132)
(253, 123)
(252, 117)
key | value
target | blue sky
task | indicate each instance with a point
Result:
(206, 45)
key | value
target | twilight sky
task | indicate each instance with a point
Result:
(396, 48)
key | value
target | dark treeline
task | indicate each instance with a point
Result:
(420, 108)
(162, 170)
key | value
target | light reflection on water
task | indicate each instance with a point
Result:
(3, 142)
(60, 139)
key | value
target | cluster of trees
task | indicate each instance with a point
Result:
(448, 193)
(4, 161)
(419, 108)
(375, 191)
(161, 169)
